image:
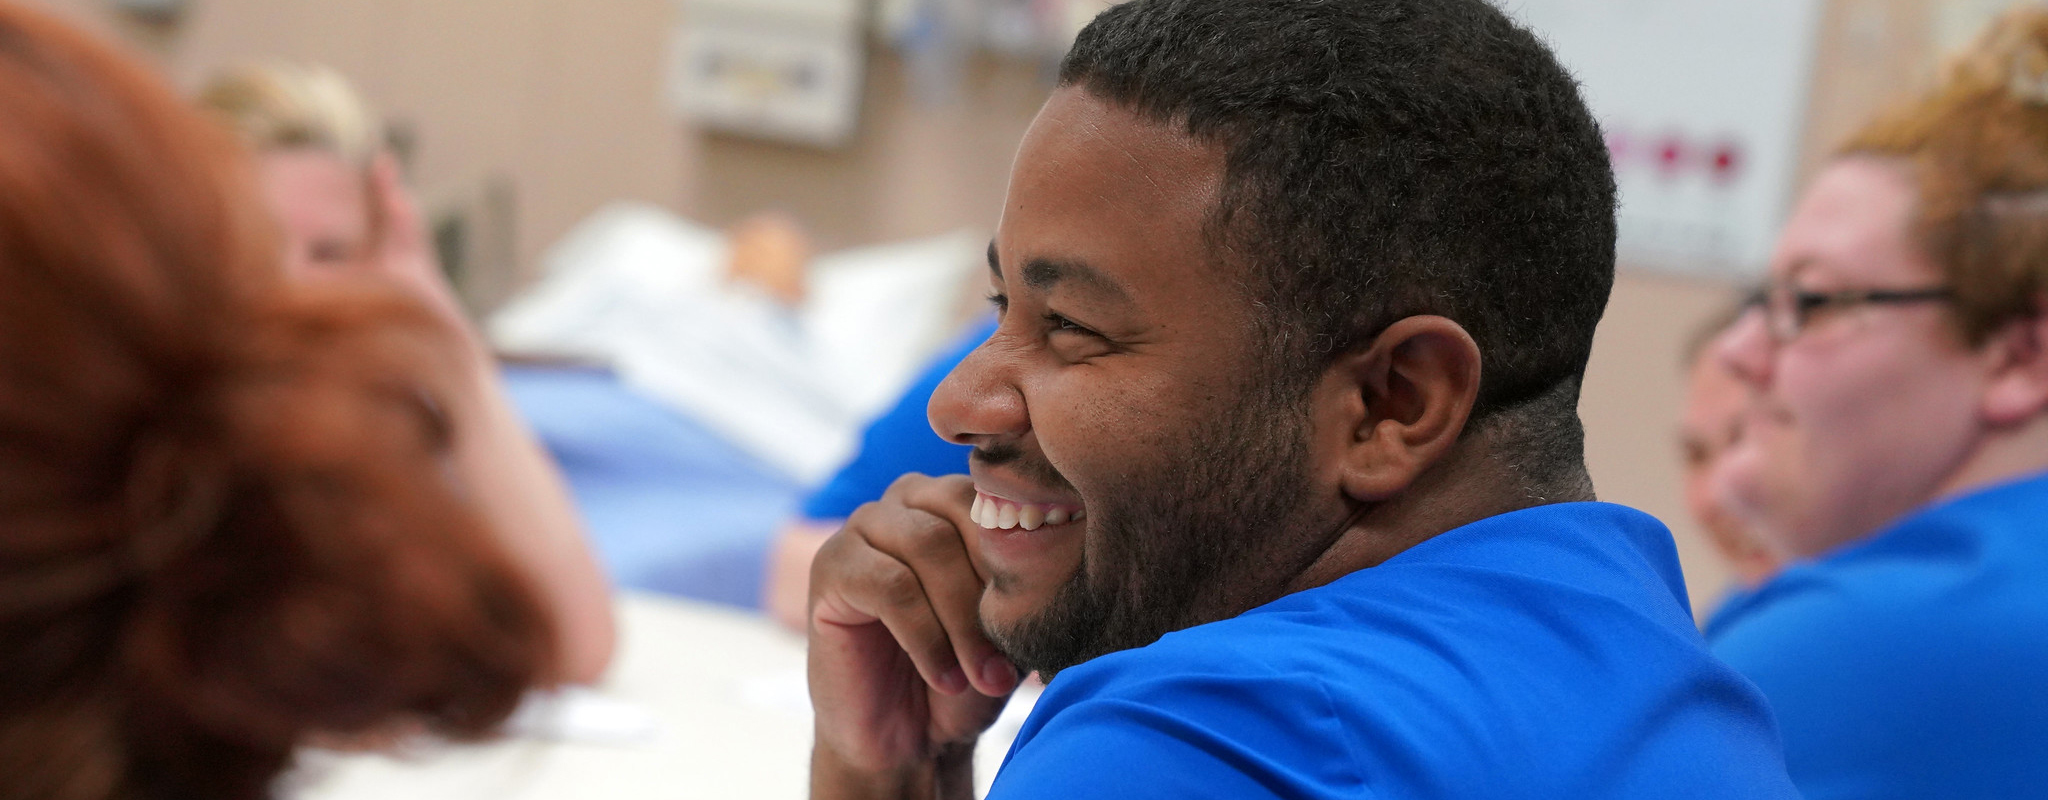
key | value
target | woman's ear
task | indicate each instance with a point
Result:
(1399, 404)
(2018, 389)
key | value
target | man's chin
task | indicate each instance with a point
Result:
(1045, 635)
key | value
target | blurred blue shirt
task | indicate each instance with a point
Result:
(1913, 664)
(1545, 653)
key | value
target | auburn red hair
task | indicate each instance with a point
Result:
(226, 520)
(1977, 146)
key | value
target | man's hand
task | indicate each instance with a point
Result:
(902, 677)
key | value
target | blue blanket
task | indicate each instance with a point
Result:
(671, 507)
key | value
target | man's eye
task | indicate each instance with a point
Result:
(1060, 323)
(999, 300)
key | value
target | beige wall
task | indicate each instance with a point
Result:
(563, 98)
(914, 169)
(559, 100)
(1630, 406)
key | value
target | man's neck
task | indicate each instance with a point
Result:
(1475, 481)
(2002, 456)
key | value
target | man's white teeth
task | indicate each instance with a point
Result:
(1002, 515)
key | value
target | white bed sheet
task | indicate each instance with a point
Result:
(643, 290)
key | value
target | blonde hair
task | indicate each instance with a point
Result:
(1977, 145)
(284, 106)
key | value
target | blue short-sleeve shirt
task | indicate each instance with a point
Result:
(1545, 653)
(1913, 664)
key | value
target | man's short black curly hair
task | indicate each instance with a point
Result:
(1386, 158)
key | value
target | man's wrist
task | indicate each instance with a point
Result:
(948, 776)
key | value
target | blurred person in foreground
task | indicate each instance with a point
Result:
(1896, 447)
(346, 213)
(1709, 424)
(1278, 475)
(227, 522)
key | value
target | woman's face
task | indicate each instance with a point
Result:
(1709, 424)
(1868, 410)
(323, 203)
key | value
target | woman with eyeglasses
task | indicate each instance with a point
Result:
(1896, 447)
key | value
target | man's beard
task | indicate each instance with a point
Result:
(1210, 533)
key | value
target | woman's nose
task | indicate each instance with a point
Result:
(1746, 348)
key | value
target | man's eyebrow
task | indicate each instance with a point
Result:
(1043, 273)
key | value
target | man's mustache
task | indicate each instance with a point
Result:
(1036, 470)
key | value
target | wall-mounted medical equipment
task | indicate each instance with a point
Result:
(789, 70)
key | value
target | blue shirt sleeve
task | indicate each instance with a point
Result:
(899, 442)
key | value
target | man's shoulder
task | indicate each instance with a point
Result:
(1533, 654)
(1223, 710)
(1419, 684)
(1540, 596)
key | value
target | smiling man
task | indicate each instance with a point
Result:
(1278, 475)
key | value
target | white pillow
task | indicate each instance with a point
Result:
(875, 315)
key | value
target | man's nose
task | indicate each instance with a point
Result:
(979, 402)
(1746, 348)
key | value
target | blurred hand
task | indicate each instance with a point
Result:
(902, 678)
(399, 247)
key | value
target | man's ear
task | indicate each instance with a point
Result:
(2018, 389)
(1399, 404)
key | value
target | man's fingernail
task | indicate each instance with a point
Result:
(998, 672)
(954, 681)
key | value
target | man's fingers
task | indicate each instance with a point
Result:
(927, 532)
(875, 586)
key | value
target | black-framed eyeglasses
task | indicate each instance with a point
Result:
(1789, 310)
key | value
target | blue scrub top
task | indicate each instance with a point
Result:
(1913, 664)
(1545, 653)
(899, 442)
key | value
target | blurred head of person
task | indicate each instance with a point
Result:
(771, 251)
(1709, 424)
(315, 142)
(1899, 353)
(228, 525)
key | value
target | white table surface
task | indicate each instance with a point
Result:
(716, 707)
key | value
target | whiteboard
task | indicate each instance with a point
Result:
(1703, 104)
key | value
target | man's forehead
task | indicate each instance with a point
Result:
(1080, 140)
(1100, 196)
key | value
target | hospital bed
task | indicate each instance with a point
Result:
(691, 416)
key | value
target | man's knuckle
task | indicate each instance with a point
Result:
(898, 587)
(933, 538)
